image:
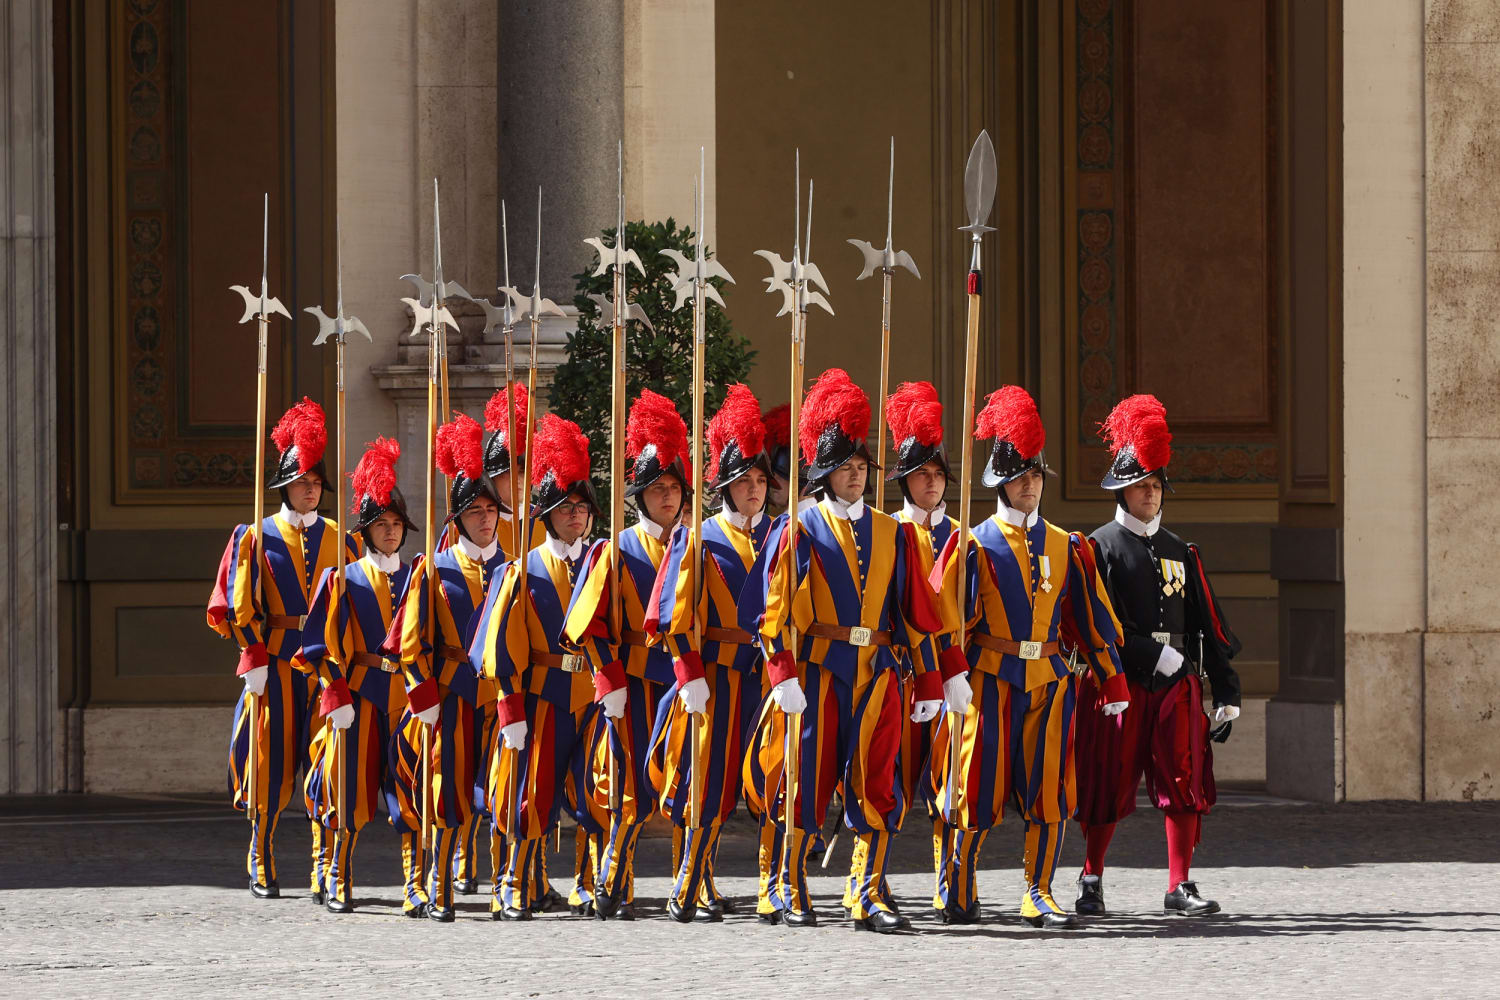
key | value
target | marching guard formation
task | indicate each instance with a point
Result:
(763, 632)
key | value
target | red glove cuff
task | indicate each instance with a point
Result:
(610, 677)
(423, 696)
(688, 667)
(512, 709)
(782, 667)
(929, 687)
(952, 662)
(335, 695)
(1115, 689)
(254, 655)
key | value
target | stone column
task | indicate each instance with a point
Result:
(28, 417)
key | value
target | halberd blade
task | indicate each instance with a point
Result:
(979, 184)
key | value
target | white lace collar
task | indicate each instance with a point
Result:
(297, 520)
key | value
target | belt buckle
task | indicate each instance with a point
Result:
(1165, 638)
(1031, 651)
(859, 636)
(389, 665)
(573, 663)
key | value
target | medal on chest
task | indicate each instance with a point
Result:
(1044, 569)
(1173, 576)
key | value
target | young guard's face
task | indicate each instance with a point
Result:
(662, 500)
(479, 521)
(747, 494)
(847, 482)
(305, 493)
(385, 533)
(1143, 499)
(1025, 491)
(926, 485)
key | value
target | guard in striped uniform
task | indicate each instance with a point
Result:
(858, 607)
(362, 691)
(630, 676)
(1175, 636)
(546, 704)
(298, 545)
(1029, 585)
(779, 453)
(443, 692)
(719, 677)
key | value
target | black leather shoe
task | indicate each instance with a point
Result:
(414, 912)
(799, 918)
(336, 905)
(319, 896)
(726, 905)
(605, 905)
(547, 902)
(1050, 921)
(771, 918)
(268, 891)
(1184, 901)
(625, 912)
(466, 886)
(883, 922)
(708, 915)
(514, 913)
(584, 909)
(1090, 896)
(951, 914)
(680, 913)
(443, 915)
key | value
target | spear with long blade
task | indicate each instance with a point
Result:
(259, 307)
(616, 259)
(794, 279)
(692, 279)
(338, 326)
(979, 199)
(885, 261)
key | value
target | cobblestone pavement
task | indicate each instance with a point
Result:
(114, 897)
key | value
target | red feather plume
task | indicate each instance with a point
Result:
(494, 416)
(375, 475)
(738, 420)
(833, 398)
(913, 411)
(1009, 414)
(1140, 423)
(561, 449)
(304, 427)
(778, 421)
(655, 420)
(460, 447)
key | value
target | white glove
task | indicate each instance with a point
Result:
(788, 697)
(515, 735)
(342, 717)
(1116, 707)
(1169, 661)
(429, 715)
(924, 711)
(694, 695)
(255, 680)
(614, 703)
(1226, 713)
(957, 692)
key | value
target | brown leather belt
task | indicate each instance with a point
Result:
(376, 662)
(853, 636)
(573, 663)
(452, 653)
(1025, 650)
(631, 637)
(738, 635)
(287, 621)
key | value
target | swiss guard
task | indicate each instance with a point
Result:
(630, 674)
(362, 693)
(1175, 635)
(446, 700)
(915, 417)
(1029, 586)
(262, 603)
(505, 476)
(778, 447)
(858, 604)
(717, 663)
(546, 694)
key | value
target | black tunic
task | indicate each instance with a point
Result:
(1138, 572)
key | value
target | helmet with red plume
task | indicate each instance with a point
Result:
(375, 489)
(559, 465)
(497, 449)
(460, 456)
(655, 441)
(1138, 438)
(915, 418)
(1010, 417)
(736, 439)
(832, 426)
(779, 439)
(300, 437)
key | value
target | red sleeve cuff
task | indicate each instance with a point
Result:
(253, 656)
(423, 696)
(512, 709)
(952, 662)
(335, 695)
(929, 687)
(1115, 689)
(782, 667)
(610, 677)
(688, 667)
